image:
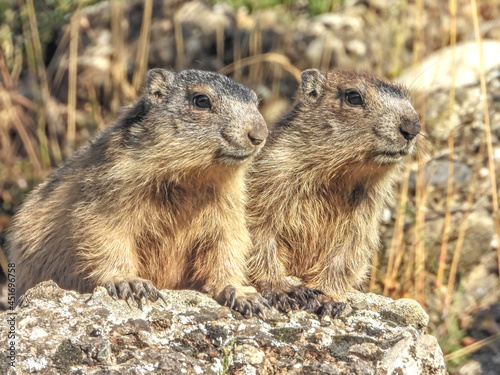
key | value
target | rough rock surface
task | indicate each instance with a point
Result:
(61, 331)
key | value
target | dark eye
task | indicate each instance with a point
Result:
(354, 98)
(202, 101)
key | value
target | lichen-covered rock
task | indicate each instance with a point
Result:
(59, 331)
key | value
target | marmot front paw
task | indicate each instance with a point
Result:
(247, 304)
(289, 297)
(325, 305)
(135, 288)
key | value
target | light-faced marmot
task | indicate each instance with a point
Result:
(318, 188)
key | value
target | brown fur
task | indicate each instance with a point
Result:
(158, 196)
(318, 188)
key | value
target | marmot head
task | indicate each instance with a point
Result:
(365, 118)
(198, 117)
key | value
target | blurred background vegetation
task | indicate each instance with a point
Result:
(68, 66)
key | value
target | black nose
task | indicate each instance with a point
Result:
(255, 141)
(408, 136)
(409, 128)
(258, 133)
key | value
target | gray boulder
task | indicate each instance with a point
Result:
(59, 331)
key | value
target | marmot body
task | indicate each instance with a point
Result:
(158, 197)
(318, 188)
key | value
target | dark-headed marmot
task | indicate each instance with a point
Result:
(155, 201)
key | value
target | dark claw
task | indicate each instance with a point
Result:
(259, 312)
(265, 303)
(159, 295)
(318, 292)
(332, 309)
(129, 294)
(232, 298)
(300, 297)
(339, 307)
(110, 287)
(139, 303)
(246, 309)
(143, 294)
(134, 289)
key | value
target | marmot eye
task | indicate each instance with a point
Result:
(354, 98)
(202, 101)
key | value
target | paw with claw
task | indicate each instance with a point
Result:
(289, 297)
(325, 305)
(295, 297)
(248, 304)
(133, 288)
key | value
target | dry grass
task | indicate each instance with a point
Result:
(489, 142)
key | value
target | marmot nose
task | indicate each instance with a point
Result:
(258, 134)
(409, 128)
(255, 141)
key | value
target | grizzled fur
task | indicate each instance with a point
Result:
(157, 197)
(318, 188)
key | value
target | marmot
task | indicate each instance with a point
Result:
(155, 201)
(317, 190)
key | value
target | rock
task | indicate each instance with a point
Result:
(479, 290)
(61, 331)
(406, 312)
(435, 71)
(436, 174)
(471, 367)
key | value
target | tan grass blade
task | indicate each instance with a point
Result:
(28, 143)
(420, 193)
(44, 97)
(489, 142)
(461, 231)
(141, 61)
(274, 58)
(179, 43)
(72, 75)
(471, 348)
(373, 275)
(396, 251)
(451, 107)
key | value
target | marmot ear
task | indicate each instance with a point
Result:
(312, 83)
(158, 83)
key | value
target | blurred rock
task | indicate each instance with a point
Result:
(436, 174)
(435, 71)
(471, 367)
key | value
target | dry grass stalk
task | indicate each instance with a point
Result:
(420, 192)
(141, 61)
(72, 71)
(471, 348)
(219, 37)
(237, 54)
(120, 86)
(451, 109)
(396, 251)
(179, 43)
(255, 73)
(461, 231)
(44, 98)
(274, 58)
(373, 274)
(11, 115)
(489, 142)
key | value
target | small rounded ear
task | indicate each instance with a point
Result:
(312, 84)
(158, 83)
